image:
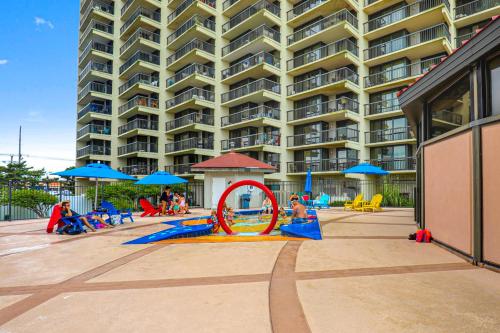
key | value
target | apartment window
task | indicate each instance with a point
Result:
(388, 124)
(385, 101)
(346, 154)
(389, 153)
(494, 86)
(451, 108)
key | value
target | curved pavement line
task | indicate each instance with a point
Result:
(285, 309)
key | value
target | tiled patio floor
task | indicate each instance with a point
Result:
(365, 276)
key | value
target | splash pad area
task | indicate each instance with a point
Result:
(247, 227)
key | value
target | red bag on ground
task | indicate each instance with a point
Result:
(423, 236)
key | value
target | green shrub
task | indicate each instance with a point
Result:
(337, 204)
(394, 198)
(37, 201)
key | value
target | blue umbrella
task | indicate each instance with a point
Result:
(161, 178)
(97, 171)
(366, 169)
(308, 185)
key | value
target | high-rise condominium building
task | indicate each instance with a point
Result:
(297, 84)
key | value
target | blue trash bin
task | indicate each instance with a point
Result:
(245, 201)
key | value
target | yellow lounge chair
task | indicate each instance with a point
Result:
(373, 205)
(354, 204)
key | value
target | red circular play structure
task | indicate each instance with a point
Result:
(234, 186)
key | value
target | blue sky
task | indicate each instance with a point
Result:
(38, 72)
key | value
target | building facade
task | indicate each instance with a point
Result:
(163, 85)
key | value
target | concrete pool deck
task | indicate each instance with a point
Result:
(365, 276)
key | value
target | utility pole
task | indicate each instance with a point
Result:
(19, 156)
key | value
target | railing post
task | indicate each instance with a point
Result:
(10, 200)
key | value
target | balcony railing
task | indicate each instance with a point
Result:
(140, 56)
(390, 134)
(302, 8)
(95, 108)
(382, 107)
(95, 66)
(228, 3)
(196, 20)
(261, 31)
(326, 165)
(331, 135)
(97, 87)
(474, 7)
(396, 164)
(193, 93)
(260, 84)
(139, 78)
(190, 70)
(321, 80)
(261, 111)
(93, 150)
(192, 143)
(138, 124)
(95, 46)
(190, 119)
(399, 73)
(183, 6)
(314, 110)
(323, 24)
(397, 44)
(140, 12)
(461, 38)
(179, 169)
(254, 60)
(97, 6)
(96, 25)
(142, 170)
(323, 52)
(93, 129)
(248, 12)
(403, 13)
(188, 47)
(138, 147)
(251, 140)
(139, 101)
(140, 33)
(448, 116)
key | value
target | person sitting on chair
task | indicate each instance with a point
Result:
(267, 206)
(165, 199)
(66, 211)
(299, 212)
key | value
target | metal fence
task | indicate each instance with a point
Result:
(30, 202)
(397, 193)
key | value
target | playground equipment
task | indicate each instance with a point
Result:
(249, 182)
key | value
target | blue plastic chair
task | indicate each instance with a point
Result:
(111, 210)
(323, 201)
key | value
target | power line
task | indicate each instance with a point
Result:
(41, 157)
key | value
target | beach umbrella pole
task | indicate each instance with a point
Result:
(96, 189)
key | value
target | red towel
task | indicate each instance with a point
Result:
(55, 218)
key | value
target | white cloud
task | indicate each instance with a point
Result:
(35, 117)
(39, 21)
(3, 61)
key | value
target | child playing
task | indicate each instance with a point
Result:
(230, 216)
(213, 220)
